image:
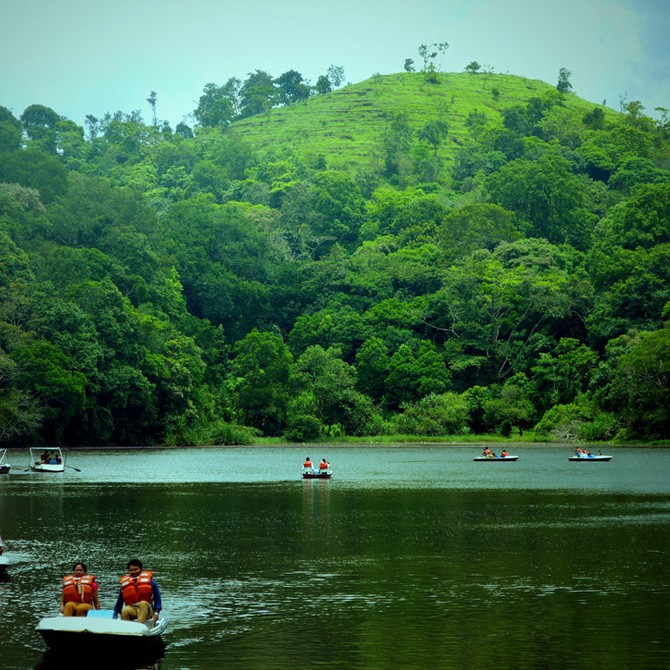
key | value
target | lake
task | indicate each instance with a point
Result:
(409, 557)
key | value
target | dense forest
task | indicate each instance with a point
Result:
(422, 253)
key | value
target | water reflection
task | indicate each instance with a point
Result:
(51, 661)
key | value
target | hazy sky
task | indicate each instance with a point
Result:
(84, 57)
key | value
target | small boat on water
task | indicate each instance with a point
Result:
(587, 458)
(5, 467)
(100, 633)
(317, 474)
(496, 458)
(46, 460)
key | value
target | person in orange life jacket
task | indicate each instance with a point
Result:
(504, 453)
(324, 465)
(139, 597)
(307, 465)
(80, 592)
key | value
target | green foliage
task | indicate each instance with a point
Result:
(427, 252)
(435, 414)
(641, 384)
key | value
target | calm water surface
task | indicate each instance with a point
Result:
(409, 557)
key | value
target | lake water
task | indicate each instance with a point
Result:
(409, 557)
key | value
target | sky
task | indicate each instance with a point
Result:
(82, 57)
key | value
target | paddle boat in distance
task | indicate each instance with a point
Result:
(5, 467)
(101, 634)
(586, 457)
(46, 460)
(496, 458)
(316, 473)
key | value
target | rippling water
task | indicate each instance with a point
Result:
(409, 557)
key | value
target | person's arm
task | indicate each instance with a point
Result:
(119, 604)
(156, 592)
(94, 596)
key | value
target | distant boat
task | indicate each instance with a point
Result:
(5, 467)
(587, 458)
(496, 459)
(46, 460)
(317, 474)
(100, 634)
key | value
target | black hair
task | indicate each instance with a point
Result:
(137, 562)
(83, 565)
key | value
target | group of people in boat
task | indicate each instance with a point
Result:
(308, 466)
(49, 458)
(139, 597)
(583, 453)
(486, 452)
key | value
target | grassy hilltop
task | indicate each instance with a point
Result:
(347, 126)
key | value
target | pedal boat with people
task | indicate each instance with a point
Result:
(496, 458)
(5, 467)
(46, 460)
(587, 458)
(99, 632)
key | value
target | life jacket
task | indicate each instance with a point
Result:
(78, 589)
(323, 465)
(307, 464)
(137, 589)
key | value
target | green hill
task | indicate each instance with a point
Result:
(347, 126)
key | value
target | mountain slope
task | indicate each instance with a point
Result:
(347, 126)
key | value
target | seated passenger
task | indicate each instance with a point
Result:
(80, 592)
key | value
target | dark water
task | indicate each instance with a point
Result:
(412, 557)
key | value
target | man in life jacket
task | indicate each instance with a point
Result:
(139, 598)
(324, 465)
(307, 466)
(80, 592)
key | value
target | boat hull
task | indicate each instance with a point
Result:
(589, 459)
(4, 463)
(496, 459)
(317, 475)
(102, 635)
(47, 467)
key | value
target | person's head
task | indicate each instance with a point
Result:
(79, 568)
(135, 567)
(307, 458)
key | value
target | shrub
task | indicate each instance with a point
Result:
(302, 428)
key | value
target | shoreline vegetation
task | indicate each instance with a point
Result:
(384, 441)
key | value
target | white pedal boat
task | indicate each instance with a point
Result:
(46, 460)
(100, 633)
(600, 457)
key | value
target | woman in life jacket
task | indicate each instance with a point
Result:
(307, 465)
(324, 465)
(80, 592)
